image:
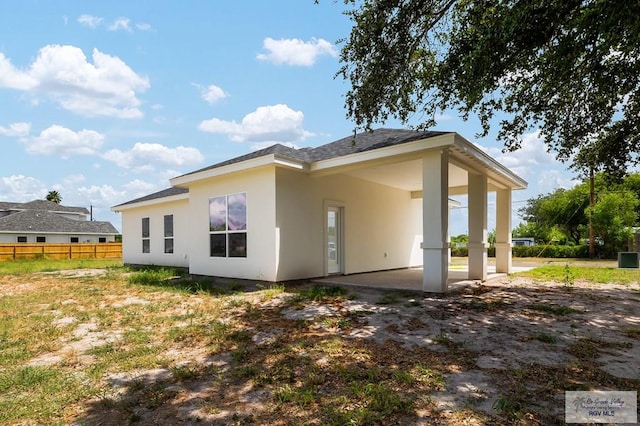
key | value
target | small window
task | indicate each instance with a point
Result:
(22, 239)
(168, 233)
(75, 240)
(228, 225)
(102, 239)
(41, 239)
(145, 227)
(168, 245)
(146, 243)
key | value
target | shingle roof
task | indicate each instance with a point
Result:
(361, 142)
(29, 221)
(168, 192)
(42, 205)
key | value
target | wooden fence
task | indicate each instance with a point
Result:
(9, 251)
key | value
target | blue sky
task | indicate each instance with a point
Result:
(105, 101)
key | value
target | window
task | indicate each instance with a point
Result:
(146, 244)
(22, 239)
(75, 240)
(168, 233)
(102, 239)
(41, 239)
(228, 225)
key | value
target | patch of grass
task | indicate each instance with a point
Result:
(322, 293)
(391, 297)
(555, 309)
(545, 337)
(428, 377)
(153, 276)
(271, 292)
(27, 266)
(301, 396)
(592, 274)
(486, 305)
(37, 393)
(632, 332)
(339, 323)
(442, 338)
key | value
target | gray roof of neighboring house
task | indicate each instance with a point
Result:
(42, 205)
(30, 221)
(361, 142)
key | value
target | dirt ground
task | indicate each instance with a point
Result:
(510, 346)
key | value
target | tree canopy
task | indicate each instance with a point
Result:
(569, 69)
(54, 197)
(564, 214)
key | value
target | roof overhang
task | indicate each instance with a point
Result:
(403, 161)
(163, 200)
(266, 160)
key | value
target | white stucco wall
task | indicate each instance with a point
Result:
(260, 263)
(54, 238)
(382, 225)
(132, 234)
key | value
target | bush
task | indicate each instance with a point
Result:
(553, 251)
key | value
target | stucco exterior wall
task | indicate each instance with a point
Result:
(132, 234)
(382, 225)
(55, 238)
(260, 263)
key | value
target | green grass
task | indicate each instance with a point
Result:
(592, 274)
(26, 266)
(555, 309)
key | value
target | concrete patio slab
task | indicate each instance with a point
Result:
(408, 279)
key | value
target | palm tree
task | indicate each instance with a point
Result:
(54, 197)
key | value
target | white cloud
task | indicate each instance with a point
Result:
(20, 188)
(89, 21)
(527, 160)
(16, 130)
(296, 52)
(121, 23)
(143, 26)
(13, 78)
(106, 87)
(58, 140)
(212, 93)
(139, 187)
(74, 179)
(273, 123)
(146, 156)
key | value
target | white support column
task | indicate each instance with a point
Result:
(503, 230)
(478, 245)
(435, 221)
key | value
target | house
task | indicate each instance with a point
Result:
(373, 201)
(524, 241)
(42, 221)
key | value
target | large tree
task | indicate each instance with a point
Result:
(568, 68)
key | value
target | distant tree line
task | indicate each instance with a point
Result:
(559, 221)
(563, 216)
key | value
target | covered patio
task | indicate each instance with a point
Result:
(431, 170)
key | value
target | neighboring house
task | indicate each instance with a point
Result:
(523, 241)
(42, 221)
(373, 201)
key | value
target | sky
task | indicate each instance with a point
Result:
(105, 101)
